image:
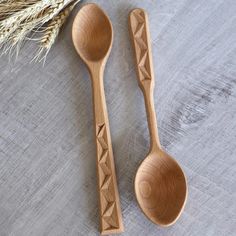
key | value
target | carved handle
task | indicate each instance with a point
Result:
(110, 211)
(139, 29)
(141, 40)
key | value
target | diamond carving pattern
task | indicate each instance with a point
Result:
(141, 47)
(108, 203)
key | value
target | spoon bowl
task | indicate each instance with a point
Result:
(92, 33)
(160, 188)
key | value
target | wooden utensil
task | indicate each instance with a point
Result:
(92, 35)
(160, 184)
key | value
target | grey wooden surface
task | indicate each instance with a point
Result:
(47, 151)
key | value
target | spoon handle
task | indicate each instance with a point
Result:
(110, 211)
(139, 29)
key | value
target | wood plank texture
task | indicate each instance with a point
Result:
(47, 152)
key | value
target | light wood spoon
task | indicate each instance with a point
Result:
(160, 184)
(92, 35)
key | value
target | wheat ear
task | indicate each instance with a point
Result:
(35, 14)
(52, 30)
(21, 19)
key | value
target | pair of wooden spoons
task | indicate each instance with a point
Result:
(160, 184)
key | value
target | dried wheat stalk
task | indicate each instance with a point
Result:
(20, 18)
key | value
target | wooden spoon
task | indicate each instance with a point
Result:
(92, 35)
(160, 184)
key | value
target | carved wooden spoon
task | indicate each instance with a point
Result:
(92, 35)
(160, 184)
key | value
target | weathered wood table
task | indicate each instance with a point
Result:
(47, 151)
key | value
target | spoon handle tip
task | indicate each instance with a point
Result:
(139, 29)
